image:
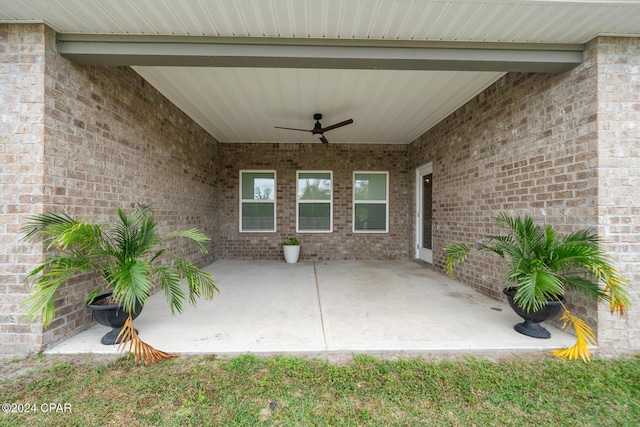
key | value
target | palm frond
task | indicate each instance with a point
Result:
(64, 233)
(131, 283)
(504, 221)
(79, 236)
(44, 281)
(135, 233)
(525, 234)
(576, 254)
(148, 236)
(41, 225)
(583, 236)
(200, 283)
(586, 287)
(203, 284)
(615, 290)
(456, 253)
(41, 303)
(536, 288)
(509, 252)
(550, 240)
(582, 250)
(157, 255)
(142, 352)
(170, 283)
(193, 235)
(584, 338)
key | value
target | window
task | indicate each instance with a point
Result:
(371, 202)
(315, 201)
(257, 201)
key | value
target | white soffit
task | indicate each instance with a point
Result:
(387, 106)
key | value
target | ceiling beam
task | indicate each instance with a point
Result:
(312, 53)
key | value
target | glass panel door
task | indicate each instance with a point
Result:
(424, 214)
(427, 182)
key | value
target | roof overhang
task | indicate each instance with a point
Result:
(397, 67)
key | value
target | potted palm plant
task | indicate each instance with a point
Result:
(131, 258)
(540, 266)
(291, 249)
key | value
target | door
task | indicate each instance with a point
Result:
(424, 214)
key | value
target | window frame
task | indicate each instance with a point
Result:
(386, 202)
(271, 201)
(300, 201)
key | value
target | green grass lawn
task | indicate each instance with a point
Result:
(295, 391)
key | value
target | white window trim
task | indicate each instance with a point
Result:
(370, 202)
(274, 201)
(298, 202)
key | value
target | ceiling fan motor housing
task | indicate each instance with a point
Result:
(317, 128)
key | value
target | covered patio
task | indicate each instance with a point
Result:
(456, 110)
(329, 307)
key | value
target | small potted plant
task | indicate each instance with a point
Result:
(129, 255)
(291, 250)
(540, 266)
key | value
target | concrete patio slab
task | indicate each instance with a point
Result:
(329, 307)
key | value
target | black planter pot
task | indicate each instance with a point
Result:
(112, 315)
(531, 325)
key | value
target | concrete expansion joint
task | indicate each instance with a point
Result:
(324, 335)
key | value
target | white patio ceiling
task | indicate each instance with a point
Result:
(390, 101)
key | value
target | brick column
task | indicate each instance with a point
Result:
(22, 88)
(618, 70)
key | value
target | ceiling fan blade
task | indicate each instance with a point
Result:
(337, 125)
(324, 140)
(301, 130)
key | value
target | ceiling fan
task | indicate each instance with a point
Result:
(318, 131)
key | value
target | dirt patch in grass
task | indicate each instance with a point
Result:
(14, 367)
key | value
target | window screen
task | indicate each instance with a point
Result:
(315, 201)
(371, 202)
(257, 201)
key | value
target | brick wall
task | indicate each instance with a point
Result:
(21, 156)
(534, 144)
(526, 145)
(343, 160)
(618, 65)
(87, 140)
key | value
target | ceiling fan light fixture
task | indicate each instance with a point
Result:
(317, 135)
